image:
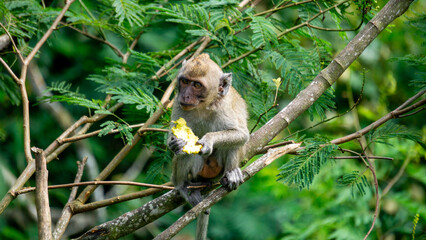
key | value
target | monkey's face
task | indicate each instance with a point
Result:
(192, 93)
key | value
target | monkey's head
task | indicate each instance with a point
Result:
(201, 82)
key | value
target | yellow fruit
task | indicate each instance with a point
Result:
(182, 131)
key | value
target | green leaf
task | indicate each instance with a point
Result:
(128, 10)
(392, 129)
(355, 180)
(302, 169)
(263, 33)
(132, 93)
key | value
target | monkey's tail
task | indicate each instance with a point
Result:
(202, 225)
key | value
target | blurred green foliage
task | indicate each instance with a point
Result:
(339, 203)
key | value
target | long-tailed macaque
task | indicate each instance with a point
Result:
(217, 114)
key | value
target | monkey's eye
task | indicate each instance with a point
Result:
(197, 85)
(184, 81)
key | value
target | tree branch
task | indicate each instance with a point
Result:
(76, 184)
(44, 220)
(394, 114)
(112, 46)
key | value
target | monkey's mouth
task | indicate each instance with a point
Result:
(187, 106)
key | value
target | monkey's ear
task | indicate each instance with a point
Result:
(225, 83)
(184, 62)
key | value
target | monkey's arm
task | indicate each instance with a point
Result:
(223, 139)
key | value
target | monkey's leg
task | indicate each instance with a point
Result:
(202, 225)
(192, 195)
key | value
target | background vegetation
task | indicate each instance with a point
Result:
(108, 52)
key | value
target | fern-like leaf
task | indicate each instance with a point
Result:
(128, 10)
(263, 33)
(134, 94)
(355, 180)
(125, 130)
(302, 169)
(392, 129)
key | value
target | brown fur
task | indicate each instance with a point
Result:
(198, 67)
(211, 168)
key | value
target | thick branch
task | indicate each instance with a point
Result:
(133, 220)
(44, 220)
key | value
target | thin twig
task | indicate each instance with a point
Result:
(178, 56)
(358, 157)
(78, 177)
(66, 214)
(13, 43)
(10, 71)
(132, 46)
(394, 114)
(376, 186)
(261, 115)
(68, 185)
(96, 133)
(77, 207)
(413, 113)
(281, 8)
(48, 33)
(203, 46)
(112, 46)
(396, 177)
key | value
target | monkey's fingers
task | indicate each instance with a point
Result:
(207, 148)
(176, 145)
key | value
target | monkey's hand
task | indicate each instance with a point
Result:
(207, 148)
(232, 179)
(176, 144)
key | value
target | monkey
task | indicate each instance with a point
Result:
(217, 114)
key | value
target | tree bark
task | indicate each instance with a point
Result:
(44, 220)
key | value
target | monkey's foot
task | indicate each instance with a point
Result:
(232, 179)
(192, 196)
